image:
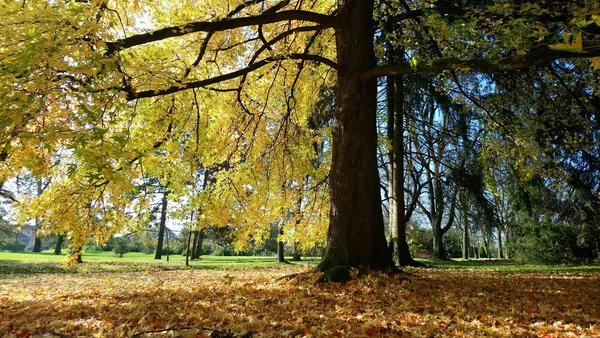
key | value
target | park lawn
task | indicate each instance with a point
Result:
(421, 302)
(106, 261)
(508, 266)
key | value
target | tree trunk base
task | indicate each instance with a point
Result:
(341, 274)
(412, 263)
(337, 274)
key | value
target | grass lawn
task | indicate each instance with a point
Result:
(98, 261)
(508, 266)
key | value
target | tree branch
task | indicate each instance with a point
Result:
(535, 58)
(229, 76)
(326, 21)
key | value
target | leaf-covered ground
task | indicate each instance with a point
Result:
(424, 302)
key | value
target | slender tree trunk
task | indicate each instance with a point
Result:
(356, 233)
(78, 257)
(163, 224)
(199, 235)
(194, 244)
(500, 254)
(187, 251)
(37, 242)
(280, 247)
(59, 243)
(392, 168)
(402, 252)
(465, 235)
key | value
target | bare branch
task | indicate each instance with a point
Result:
(217, 26)
(224, 77)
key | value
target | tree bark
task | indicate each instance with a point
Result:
(59, 243)
(198, 240)
(78, 257)
(37, 242)
(194, 244)
(356, 233)
(399, 245)
(392, 169)
(402, 252)
(280, 247)
(465, 242)
(465, 235)
(500, 254)
(438, 245)
(163, 224)
(187, 251)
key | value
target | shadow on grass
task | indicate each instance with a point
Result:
(93, 267)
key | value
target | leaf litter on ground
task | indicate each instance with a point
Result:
(257, 302)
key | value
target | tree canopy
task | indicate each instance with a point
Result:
(276, 99)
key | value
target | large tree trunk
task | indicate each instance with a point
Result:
(163, 225)
(59, 243)
(37, 242)
(438, 244)
(356, 234)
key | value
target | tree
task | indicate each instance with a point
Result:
(163, 223)
(107, 72)
(59, 242)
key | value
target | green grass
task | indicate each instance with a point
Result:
(509, 266)
(106, 261)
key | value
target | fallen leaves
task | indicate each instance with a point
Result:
(425, 302)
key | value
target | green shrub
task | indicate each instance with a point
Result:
(13, 247)
(121, 246)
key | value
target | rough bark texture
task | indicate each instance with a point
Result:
(356, 233)
(163, 225)
(438, 245)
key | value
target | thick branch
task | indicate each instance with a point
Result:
(216, 26)
(229, 76)
(535, 58)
